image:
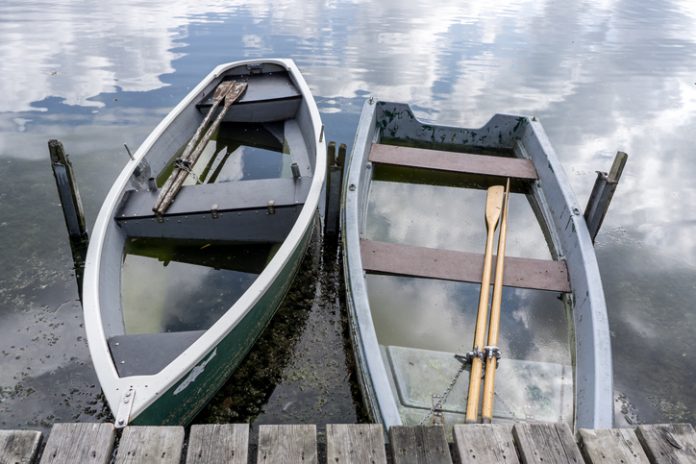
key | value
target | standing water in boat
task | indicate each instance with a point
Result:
(414, 234)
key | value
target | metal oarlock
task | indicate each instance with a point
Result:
(492, 352)
(468, 357)
(182, 164)
(185, 165)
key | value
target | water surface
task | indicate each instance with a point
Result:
(601, 75)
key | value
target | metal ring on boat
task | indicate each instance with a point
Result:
(492, 352)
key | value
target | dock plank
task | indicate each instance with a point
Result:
(399, 259)
(611, 446)
(668, 443)
(484, 444)
(439, 160)
(419, 445)
(83, 443)
(150, 444)
(544, 443)
(18, 446)
(288, 444)
(218, 443)
(355, 444)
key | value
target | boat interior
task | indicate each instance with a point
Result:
(422, 242)
(251, 179)
(181, 270)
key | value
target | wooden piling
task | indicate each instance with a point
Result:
(67, 191)
(602, 193)
(334, 177)
(71, 203)
(341, 157)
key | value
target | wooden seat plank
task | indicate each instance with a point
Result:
(83, 443)
(18, 446)
(485, 444)
(545, 443)
(218, 443)
(668, 443)
(355, 444)
(223, 196)
(392, 258)
(453, 162)
(288, 444)
(150, 444)
(419, 445)
(609, 446)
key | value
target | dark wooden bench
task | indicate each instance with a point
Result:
(499, 166)
(261, 210)
(392, 258)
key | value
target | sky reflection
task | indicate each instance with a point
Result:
(449, 218)
(601, 75)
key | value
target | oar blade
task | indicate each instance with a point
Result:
(494, 204)
(222, 89)
(230, 91)
(234, 92)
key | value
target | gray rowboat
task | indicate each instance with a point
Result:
(260, 195)
(404, 376)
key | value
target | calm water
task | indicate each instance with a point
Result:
(534, 325)
(601, 75)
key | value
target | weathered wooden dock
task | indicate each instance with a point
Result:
(349, 443)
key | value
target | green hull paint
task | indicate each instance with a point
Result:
(181, 408)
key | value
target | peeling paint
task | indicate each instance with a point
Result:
(195, 372)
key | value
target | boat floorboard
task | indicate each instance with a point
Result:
(392, 258)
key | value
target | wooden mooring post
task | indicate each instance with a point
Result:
(67, 191)
(334, 181)
(602, 192)
(71, 203)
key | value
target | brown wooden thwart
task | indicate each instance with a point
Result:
(351, 443)
(453, 162)
(392, 258)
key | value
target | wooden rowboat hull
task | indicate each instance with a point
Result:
(399, 381)
(256, 189)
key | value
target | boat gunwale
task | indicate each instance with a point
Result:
(593, 393)
(151, 386)
(374, 381)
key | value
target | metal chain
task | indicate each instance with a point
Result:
(465, 360)
(436, 409)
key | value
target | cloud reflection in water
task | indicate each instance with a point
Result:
(601, 75)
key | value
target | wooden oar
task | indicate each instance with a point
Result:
(218, 96)
(494, 324)
(231, 92)
(494, 201)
